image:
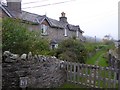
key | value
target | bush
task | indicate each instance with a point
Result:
(18, 39)
(71, 50)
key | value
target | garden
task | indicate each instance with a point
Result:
(18, 39)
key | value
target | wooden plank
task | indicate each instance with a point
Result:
(78, 73)
(99, 78)
(67, 63)
(87, 70)
(86, 73)
(94, 76)
(70, 73)
(74, 79)
(109, 77)
(103, 77)
(115, 77)
(90, 77)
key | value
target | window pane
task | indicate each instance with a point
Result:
(44, 28)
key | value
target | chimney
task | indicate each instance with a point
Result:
(63, 18)
(14, 6)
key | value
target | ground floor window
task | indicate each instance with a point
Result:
(53, 46)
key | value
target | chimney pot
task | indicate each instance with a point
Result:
(63, 14)
(63, 18)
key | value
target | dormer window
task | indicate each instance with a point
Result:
(65, 30)
(44, 29)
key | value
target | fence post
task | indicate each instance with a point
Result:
(71, 72)
(95, 75)
(109, 59)
(109, 76)
(78, 73)
(81, 74)
(90, 77)
(74, 79)
(67, 70)
(119, 64)
(99, 77)
(119, 80)
(115, 72)
(104, 78)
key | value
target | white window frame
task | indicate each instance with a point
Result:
(65, 32)
(55, 46)
(44, 29)
(77, 33)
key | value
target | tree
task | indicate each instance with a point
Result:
(18, 39)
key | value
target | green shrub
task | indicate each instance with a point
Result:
(18, 39)
(71, 50)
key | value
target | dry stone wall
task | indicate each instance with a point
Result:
(32, 72)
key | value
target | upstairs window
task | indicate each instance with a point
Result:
(44, 29)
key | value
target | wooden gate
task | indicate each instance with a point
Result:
(92, 75)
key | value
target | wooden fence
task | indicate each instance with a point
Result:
(92, 75)
(114, 61)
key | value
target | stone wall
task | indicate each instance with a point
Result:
(36, 72)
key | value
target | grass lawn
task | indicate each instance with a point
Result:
(98, 58)
(102, 61)
(71, 85)
(93, 59)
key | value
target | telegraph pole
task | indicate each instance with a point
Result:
(95, 39)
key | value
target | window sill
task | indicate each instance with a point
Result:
(44, 34)
(65, 35)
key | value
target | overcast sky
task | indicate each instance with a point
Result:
(95, 17)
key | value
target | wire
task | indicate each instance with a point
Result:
(35, 2)
(49, 4)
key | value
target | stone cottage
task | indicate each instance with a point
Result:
(51, 29)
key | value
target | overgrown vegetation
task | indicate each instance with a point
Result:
(71, 50)
(100, 56)
(18, 39)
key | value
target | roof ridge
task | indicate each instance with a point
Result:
(6, 10)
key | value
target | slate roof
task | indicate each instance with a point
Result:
(74, 28)
(29, 17)
(118, 40)
(35, 18)
(55, 23)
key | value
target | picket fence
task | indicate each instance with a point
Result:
(92, 75)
